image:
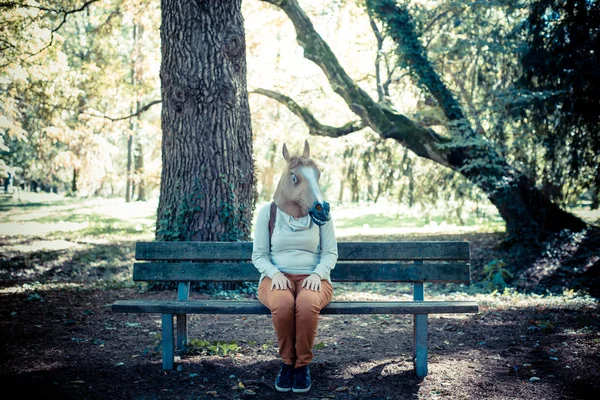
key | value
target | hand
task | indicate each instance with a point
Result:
(312, 282)
(280, 281)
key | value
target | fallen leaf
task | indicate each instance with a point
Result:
(341, 388)
(241, 385)
(249, 392)
(534, 379)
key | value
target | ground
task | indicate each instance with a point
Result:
(59, 338)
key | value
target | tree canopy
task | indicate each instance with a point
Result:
(78, 79)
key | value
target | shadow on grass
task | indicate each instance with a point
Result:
(51, 348)
(88, 264)
(146, 380)
(6, 203)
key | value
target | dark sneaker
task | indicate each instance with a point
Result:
(302, 382)
(285, 378)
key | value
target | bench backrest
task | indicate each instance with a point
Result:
(430, 261)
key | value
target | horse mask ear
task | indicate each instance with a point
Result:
(286, 153)
(306, 152)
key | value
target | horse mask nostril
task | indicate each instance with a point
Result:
(319, 208)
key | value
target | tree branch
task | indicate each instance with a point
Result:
(401, 29)
(64, 19)
(65, 13)
(383, 120)
(319, 52)
(314, 126)
(135, 114)
(379, 37)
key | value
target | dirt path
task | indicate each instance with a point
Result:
(59, 341)
(69, 345)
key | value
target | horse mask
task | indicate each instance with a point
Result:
(298, 193)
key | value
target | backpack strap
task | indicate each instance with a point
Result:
(272, 221)
(272, 218)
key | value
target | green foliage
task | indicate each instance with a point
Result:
(560, 96)
(176, 221)
(35, 297)
(62, 84)
(319, 346)
(496, 275)
(68, 73)
(222, 348)
(540, 325)
(236, 227)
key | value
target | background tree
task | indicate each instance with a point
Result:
(69, 101)
(67, 87)
(207, 182)
(561, 95)
(529, 213)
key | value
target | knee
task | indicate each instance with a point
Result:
(285, 304)
(307, 309)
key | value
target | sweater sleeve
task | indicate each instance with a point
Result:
(261, 252)
(329, 251)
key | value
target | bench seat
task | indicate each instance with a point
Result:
(255, 307)
(393, 262)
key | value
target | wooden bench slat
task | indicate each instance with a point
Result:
(343, 272)
(366, 251)
(255, 307)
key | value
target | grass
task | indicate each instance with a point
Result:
(76, 219)
(56, 240)
(383, 218)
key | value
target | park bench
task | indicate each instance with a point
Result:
(185, 262)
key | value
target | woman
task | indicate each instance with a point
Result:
(295, 262)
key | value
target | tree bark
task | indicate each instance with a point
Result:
(139, 172)
(73, 183)
(129, 167)
(528, 213)
(207, 185)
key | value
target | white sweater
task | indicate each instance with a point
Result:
(296, 245)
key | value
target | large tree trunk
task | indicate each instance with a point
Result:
(528, 213)
(139, 171)
(207, 183)
(129, 167)
(73, 183)
(130, 186)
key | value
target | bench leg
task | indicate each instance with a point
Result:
(183, 294)
(420, 344)
(182, 332)
(168, 355)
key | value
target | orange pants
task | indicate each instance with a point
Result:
(295, 314)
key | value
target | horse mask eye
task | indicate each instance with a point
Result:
(294, 179)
